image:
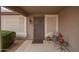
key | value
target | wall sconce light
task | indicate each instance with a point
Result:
(30, 21)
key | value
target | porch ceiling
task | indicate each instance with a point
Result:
(42, 9)
(28, 10)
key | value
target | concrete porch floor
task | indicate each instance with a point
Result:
(47, 46)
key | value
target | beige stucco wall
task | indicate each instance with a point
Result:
(69, 26)
(30, 27)
(15, 23)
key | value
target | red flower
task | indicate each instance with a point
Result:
(61, 40)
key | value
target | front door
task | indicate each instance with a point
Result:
(39, 22)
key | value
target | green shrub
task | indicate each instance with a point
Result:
(7, 38)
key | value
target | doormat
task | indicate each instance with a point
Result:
(37, 42)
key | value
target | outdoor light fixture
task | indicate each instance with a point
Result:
(30, 21)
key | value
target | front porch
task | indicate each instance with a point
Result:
(47, 46)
